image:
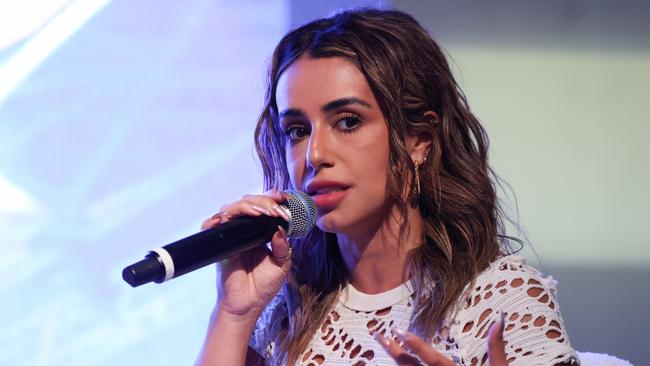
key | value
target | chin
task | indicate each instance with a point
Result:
(330, 223)
(326, 225)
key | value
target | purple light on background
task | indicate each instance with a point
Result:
(129, 134)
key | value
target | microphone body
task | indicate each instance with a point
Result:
(220, 242)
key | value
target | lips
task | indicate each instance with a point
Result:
(326, 190)
(326, 193)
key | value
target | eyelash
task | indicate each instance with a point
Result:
(345, 117)
(352, 117)
(289, 130)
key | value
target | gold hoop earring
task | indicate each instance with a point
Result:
(417, 164)
(417, 177)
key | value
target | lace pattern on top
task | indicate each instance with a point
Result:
(534, 330)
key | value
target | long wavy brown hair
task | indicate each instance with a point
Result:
(463, 223)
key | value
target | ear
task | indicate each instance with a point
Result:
(419, 145)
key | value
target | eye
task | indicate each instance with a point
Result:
(296, 132)
(348, 123)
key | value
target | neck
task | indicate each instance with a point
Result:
(376, 260)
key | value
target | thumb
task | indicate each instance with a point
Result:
(280, 248)
(496, 346)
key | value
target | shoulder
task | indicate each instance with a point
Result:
(534, 328)
(511, 274)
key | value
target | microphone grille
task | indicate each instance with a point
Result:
(303, 213)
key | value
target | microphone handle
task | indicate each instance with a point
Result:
(203, 248)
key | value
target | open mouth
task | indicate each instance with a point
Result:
(326, 191)
(328, 198)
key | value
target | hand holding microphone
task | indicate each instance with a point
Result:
(255, 221)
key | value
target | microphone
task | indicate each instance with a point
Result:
(230, 238)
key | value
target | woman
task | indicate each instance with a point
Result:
(409, 258)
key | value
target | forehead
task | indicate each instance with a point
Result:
(317, 81)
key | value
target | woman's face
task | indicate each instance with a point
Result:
(336, 142)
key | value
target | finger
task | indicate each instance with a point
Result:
(272, 196)
(277, 195)
(243, 208)
(280, 248)
(270, 206)
(236, 209)
(267, 205)
(219, 214)
(211, 222)
(282, 212)
(422, 349)
(395, 351)
(261, 209)
(496, 345)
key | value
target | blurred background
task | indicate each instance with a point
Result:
(123, 124)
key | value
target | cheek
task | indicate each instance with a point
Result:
(372, 170)
(295, 167)
(380, 170)
(379, 177)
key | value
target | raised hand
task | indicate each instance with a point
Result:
(431, 357)
(247, 282)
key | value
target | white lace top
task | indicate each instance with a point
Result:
(534, 330)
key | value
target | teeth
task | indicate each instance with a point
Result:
(328, 190)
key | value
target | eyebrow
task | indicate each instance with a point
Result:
(342, 102)
(327, 108)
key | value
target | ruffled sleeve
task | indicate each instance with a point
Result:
(534, 332)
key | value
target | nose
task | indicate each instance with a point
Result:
(318, 150)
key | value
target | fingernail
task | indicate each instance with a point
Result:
(212, 220)
(283, 233)
(261, 210)
(400, 332)
(218, 215)
(382, 340)
(499, 325)
(281, 212)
